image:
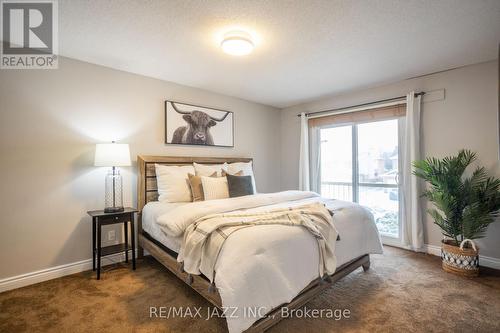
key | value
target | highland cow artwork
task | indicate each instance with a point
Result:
(187, 124)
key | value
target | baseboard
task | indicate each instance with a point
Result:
(433, 249)
(55, 272)
(85, 265)
(483, 260)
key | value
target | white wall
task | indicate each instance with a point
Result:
(50, 121)
(466, 118)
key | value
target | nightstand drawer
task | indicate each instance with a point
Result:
(114, 219)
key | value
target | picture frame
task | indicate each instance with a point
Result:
(195, 125)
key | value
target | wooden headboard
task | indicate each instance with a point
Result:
(146, 182)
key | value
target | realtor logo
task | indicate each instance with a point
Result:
(29, 34)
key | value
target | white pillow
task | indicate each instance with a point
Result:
(173, 183)
(215, 188)
(247, 169)
(209, 169)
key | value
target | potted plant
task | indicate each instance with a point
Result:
(464, 207)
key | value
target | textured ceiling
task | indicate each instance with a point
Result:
(305, 48)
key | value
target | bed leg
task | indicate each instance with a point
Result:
(140, 252)
(366, 265)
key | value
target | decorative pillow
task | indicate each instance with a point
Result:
(247, 169)
(209, 169)
(214, 188)
(173, 182)
(197, 187)
(239, 186)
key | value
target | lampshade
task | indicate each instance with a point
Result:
(112, 155)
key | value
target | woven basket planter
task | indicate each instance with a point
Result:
(460, 260)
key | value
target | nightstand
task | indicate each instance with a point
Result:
(100, 218)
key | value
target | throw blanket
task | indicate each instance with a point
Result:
(204, 239)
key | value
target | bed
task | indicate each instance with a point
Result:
(258, 268)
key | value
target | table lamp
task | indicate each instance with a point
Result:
(112, 155)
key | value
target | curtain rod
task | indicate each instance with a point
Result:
(360, 105)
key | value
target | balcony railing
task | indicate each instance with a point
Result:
(343, 190)
(337, 190)
(381, 199)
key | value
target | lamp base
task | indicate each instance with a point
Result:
(113, 209)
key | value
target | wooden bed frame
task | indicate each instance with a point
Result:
(147, 191)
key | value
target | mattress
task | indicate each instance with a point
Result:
(150, 213)
(352, 242)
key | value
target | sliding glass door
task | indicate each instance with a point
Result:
(359, 162)
(378, 164)
(337, 163)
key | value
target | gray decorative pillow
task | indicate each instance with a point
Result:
(239, 185)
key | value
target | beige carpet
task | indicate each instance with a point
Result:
(402, 292)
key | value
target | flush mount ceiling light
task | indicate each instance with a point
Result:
(237, 43)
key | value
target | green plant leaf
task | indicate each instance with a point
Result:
(465, 206)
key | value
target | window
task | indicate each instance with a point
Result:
(359, 162)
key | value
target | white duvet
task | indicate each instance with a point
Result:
(262, 267)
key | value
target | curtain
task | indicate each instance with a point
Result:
(304, 154)
(412, 225)
(315, 154)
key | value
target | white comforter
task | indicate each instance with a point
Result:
(262, 267)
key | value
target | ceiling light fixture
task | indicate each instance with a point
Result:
(237, 43)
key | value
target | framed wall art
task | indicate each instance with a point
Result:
(187, 124)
